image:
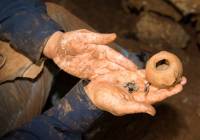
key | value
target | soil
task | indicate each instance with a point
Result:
(177, 118)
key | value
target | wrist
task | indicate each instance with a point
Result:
(53, 42)
(89, 88)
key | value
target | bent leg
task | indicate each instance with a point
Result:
(23, 99)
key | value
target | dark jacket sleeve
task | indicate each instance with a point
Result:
(67, 120)
(26, 25)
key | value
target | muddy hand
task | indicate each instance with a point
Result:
(108, 93)
(84, 54)
(154, 94)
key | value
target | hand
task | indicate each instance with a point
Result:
(157, 95)
(108, 93)
(84, 54)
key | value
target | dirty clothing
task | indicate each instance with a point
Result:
(23, 98)
(25, 24)
(68, 120)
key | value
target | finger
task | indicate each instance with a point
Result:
(83, 31)
(162, 94)
(141, 73)
(131, 107)
(183, 81)
(176, 89)
(106, 70)
(105, 52)
(119, 76)
(96, 38)
(117, 58)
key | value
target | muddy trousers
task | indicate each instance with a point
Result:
(23, 99)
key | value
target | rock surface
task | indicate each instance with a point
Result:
(187, 6)
(158, 6)
(160, 31)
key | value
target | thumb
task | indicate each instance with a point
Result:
(97, 38)
(132, 107)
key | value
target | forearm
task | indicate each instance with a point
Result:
(67, 120)
(75, 110)
(26, 25)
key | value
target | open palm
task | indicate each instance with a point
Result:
(109, 93)
(84, 54)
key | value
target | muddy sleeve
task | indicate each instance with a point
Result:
(68, 120)
(26, 25)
